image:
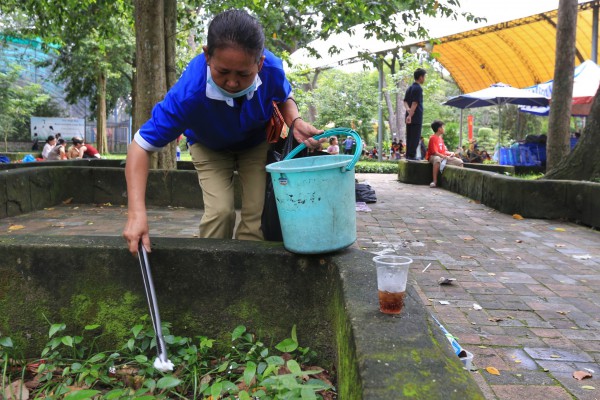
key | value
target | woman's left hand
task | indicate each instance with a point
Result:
(304, 132)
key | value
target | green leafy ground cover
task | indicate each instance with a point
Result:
(72, 368)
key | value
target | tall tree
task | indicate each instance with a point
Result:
(95, 41)
(582, 163)
(557, 146)
(155, 24)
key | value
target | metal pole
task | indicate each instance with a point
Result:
(595, 34)
(380, 111)
(460, 138)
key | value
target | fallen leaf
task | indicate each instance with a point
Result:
(492, 370)
(519, 241)
(517, 216)
(49, 209)
(477, 306)
(491, 274)
(16, 391)
(562, 312)
(582, 257)
(518, 361)
(560, 245)
(444, 302)
(482, 347)
(591, 371)
(555, 356)
(468, 238)
(587, 387)
(559, 229)
(107, 204)
(497, 319)
(15, 227)
(581, 375)
(68, 201)
(466, 256)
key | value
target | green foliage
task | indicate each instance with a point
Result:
(90, 37)
(17, 102)
(291, 25)
(376, 167)
(248, 369)
(345, 100)
(486, 138)
(451, 135)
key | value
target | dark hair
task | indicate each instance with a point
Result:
(49, 139)
(61, 141)
(236, 28)
(77, 141)
(435, 125)
(419, 72)
(331, 139)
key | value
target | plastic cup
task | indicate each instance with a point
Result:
(392, 274)
(467, 360)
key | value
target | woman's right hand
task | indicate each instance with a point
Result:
(136, 173)
(136, 229)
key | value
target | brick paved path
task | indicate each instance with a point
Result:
(537, 281)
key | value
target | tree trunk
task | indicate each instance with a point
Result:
(101, 143)
(307, 87)
(583, 162)
(557, 146)
(167, 159)
(151, 80)
(390, 108)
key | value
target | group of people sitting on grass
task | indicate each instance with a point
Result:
(56, 149)
(472, 153)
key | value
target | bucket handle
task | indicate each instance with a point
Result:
(341, 132)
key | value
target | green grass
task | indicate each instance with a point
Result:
(530, 176)
(363, 166)
(185, 156)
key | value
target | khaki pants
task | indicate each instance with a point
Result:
(215, 175)
(450, 160)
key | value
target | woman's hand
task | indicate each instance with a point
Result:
(303, 133)
(136, 173)
(136, 229)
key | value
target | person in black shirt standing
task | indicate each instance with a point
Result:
(413, 103)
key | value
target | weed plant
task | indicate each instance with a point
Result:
(71, 368)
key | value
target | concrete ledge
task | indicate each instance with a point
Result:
(32, 188)
(208, 287)
(415, 172)
(546, 199)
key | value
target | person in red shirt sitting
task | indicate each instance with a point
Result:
(437, 153)
(82, 150)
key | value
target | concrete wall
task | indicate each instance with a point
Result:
(550, 199)
(33, 186)
(207, 287)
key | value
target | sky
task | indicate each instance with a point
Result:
(495, 11)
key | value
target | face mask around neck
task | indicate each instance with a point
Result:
(225, 93)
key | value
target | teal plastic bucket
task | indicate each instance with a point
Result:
(316, 199)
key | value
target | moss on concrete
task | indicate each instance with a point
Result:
(209, 287)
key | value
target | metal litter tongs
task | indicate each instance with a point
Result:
(162, 363)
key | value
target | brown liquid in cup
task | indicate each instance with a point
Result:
(391, 302)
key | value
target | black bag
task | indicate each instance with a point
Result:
(270, 226)
(365, 193)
